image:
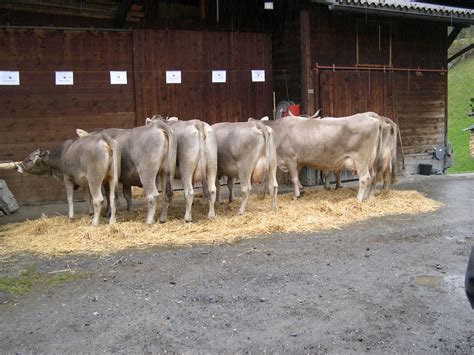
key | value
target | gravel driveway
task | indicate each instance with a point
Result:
(392, 284)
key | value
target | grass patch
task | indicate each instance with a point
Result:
(23, 283)
(460, 90)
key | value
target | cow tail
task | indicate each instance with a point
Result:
(203, 158)
(376, 166)
(172, 152)
(266, 136)
(394, 154)
(115, 163)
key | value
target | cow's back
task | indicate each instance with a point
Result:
(327, 143)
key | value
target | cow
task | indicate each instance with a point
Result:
(246, 150)
(328, 144)
(196, 160)
(386, 162)
(87, 162)
(147, 154)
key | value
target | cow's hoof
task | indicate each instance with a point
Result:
(188, 220)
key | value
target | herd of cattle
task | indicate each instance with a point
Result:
(195, 151)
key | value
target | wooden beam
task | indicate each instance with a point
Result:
(307, 90)
(461, 52)
(123, 10)
(453, 34)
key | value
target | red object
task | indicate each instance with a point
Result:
(295, 110)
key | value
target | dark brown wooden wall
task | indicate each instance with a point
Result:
(196, 54)
(40, 114)
(419, 105)
(344, 93)
(416, 100)
(287, 61)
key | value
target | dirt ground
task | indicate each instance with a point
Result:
(391, 284)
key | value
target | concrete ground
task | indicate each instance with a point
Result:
(390, 284)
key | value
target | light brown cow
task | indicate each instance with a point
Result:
(329, 144)
(246, 150)
(87, 162)
(386, 162)
(147, 154)
(196, 160)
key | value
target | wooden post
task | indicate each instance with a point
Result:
(307, 90)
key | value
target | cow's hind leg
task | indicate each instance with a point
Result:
(88, 198)
(127, 194)
(165, 200)
(97, 199)
(293, 170)
(273, 187)
(70, 196)
(327, 177)
(148, 181)
(245, 188)
(230, 186)
(218, 190)
(187, 178)
(338, 180)
(211, 183)
(365, 182)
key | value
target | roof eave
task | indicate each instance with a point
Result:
(452, 20)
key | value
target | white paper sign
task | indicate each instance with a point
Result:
(173, 77)
(64, 78)
(9, 78)
(219, 76)
(258, 75)
(118, 77)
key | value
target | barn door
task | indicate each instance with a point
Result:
(347, 92)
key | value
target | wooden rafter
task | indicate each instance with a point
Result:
(122, 13)
(453, 34)
(461, 52)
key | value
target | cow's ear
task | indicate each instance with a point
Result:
(148, 121)
(173, 118)
(81, 133)
(265, 118)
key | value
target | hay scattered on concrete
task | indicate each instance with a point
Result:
(316, 210)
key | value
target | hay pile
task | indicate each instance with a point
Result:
(316, 210)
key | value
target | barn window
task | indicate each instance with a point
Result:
(374, 43)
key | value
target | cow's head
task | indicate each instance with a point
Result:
(153, 119)
(35, 163)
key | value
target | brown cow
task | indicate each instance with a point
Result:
(87, 162)
(196, 159)
(147, 154)
(329, 144)
(246, 150)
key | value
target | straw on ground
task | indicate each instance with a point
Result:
(316, 210)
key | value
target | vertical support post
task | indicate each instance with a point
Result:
(307, 90)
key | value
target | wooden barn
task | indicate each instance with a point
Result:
(111, 63)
